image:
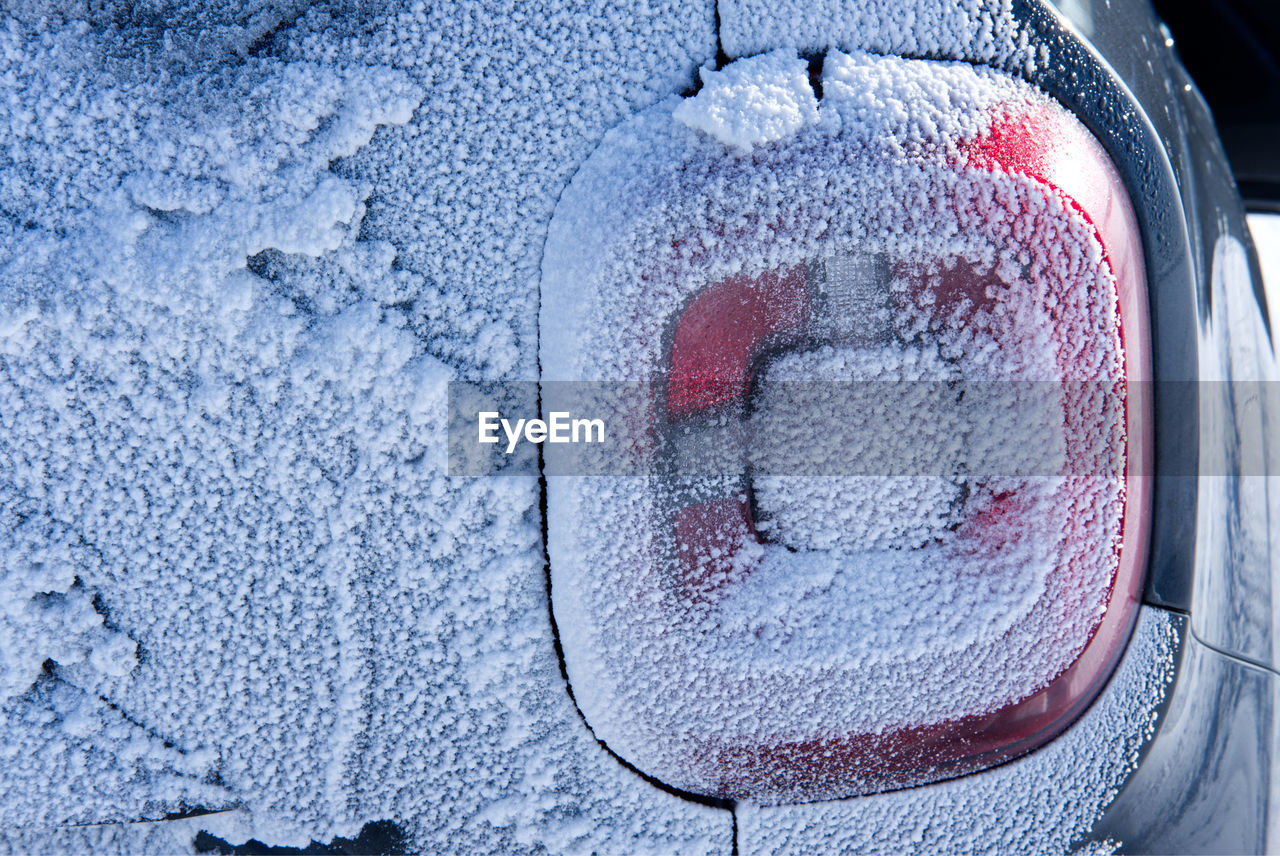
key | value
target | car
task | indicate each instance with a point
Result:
(923, 365)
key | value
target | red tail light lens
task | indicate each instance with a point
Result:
(775, 636)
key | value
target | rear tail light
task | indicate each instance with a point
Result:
(749, 633)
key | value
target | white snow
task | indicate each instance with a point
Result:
(760, 99)
(984, 31)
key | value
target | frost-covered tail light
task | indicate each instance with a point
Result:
(741, 631)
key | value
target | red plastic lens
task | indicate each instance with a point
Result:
(722, 329)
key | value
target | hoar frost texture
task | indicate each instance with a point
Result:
(1045, 802)
(229, 311)
(920, 636)
(167, 414)
(755, 100)
(978, 31)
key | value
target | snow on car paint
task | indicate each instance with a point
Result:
(830, 644)
(137, 388)
(231, 299)
(984, 31)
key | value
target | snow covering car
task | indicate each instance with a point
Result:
(936, 367)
